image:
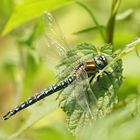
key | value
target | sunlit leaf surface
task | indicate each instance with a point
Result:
(27, 10)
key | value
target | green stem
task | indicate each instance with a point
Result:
(110, 30)
(111, 22)
(93, 18)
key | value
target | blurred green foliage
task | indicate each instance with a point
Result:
(26, 67)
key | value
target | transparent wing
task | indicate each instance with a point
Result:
(53, 34)
(85, 96)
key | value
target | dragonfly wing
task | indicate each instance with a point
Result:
(85, 96)
(53, 34)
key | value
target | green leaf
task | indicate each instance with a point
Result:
(101, 95)
(32, 62)
(107, 49)
(34, 32)
(32, 65)
(89, 29)
(28, 10)
(125, 14)
(6, 8)
(117, 125)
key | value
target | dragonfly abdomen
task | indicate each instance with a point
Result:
(37, 97)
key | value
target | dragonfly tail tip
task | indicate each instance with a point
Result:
(7, 116)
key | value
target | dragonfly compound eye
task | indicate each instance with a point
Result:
(100, 61)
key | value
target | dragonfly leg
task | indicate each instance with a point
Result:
(58, 95)
(108, 73)
(98, 78)
(91, 79)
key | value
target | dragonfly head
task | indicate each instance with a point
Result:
(101, 61)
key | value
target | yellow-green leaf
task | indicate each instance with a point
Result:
(29, 9)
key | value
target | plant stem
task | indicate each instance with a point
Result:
(111, 22)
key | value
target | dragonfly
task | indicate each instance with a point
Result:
(79, 76)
